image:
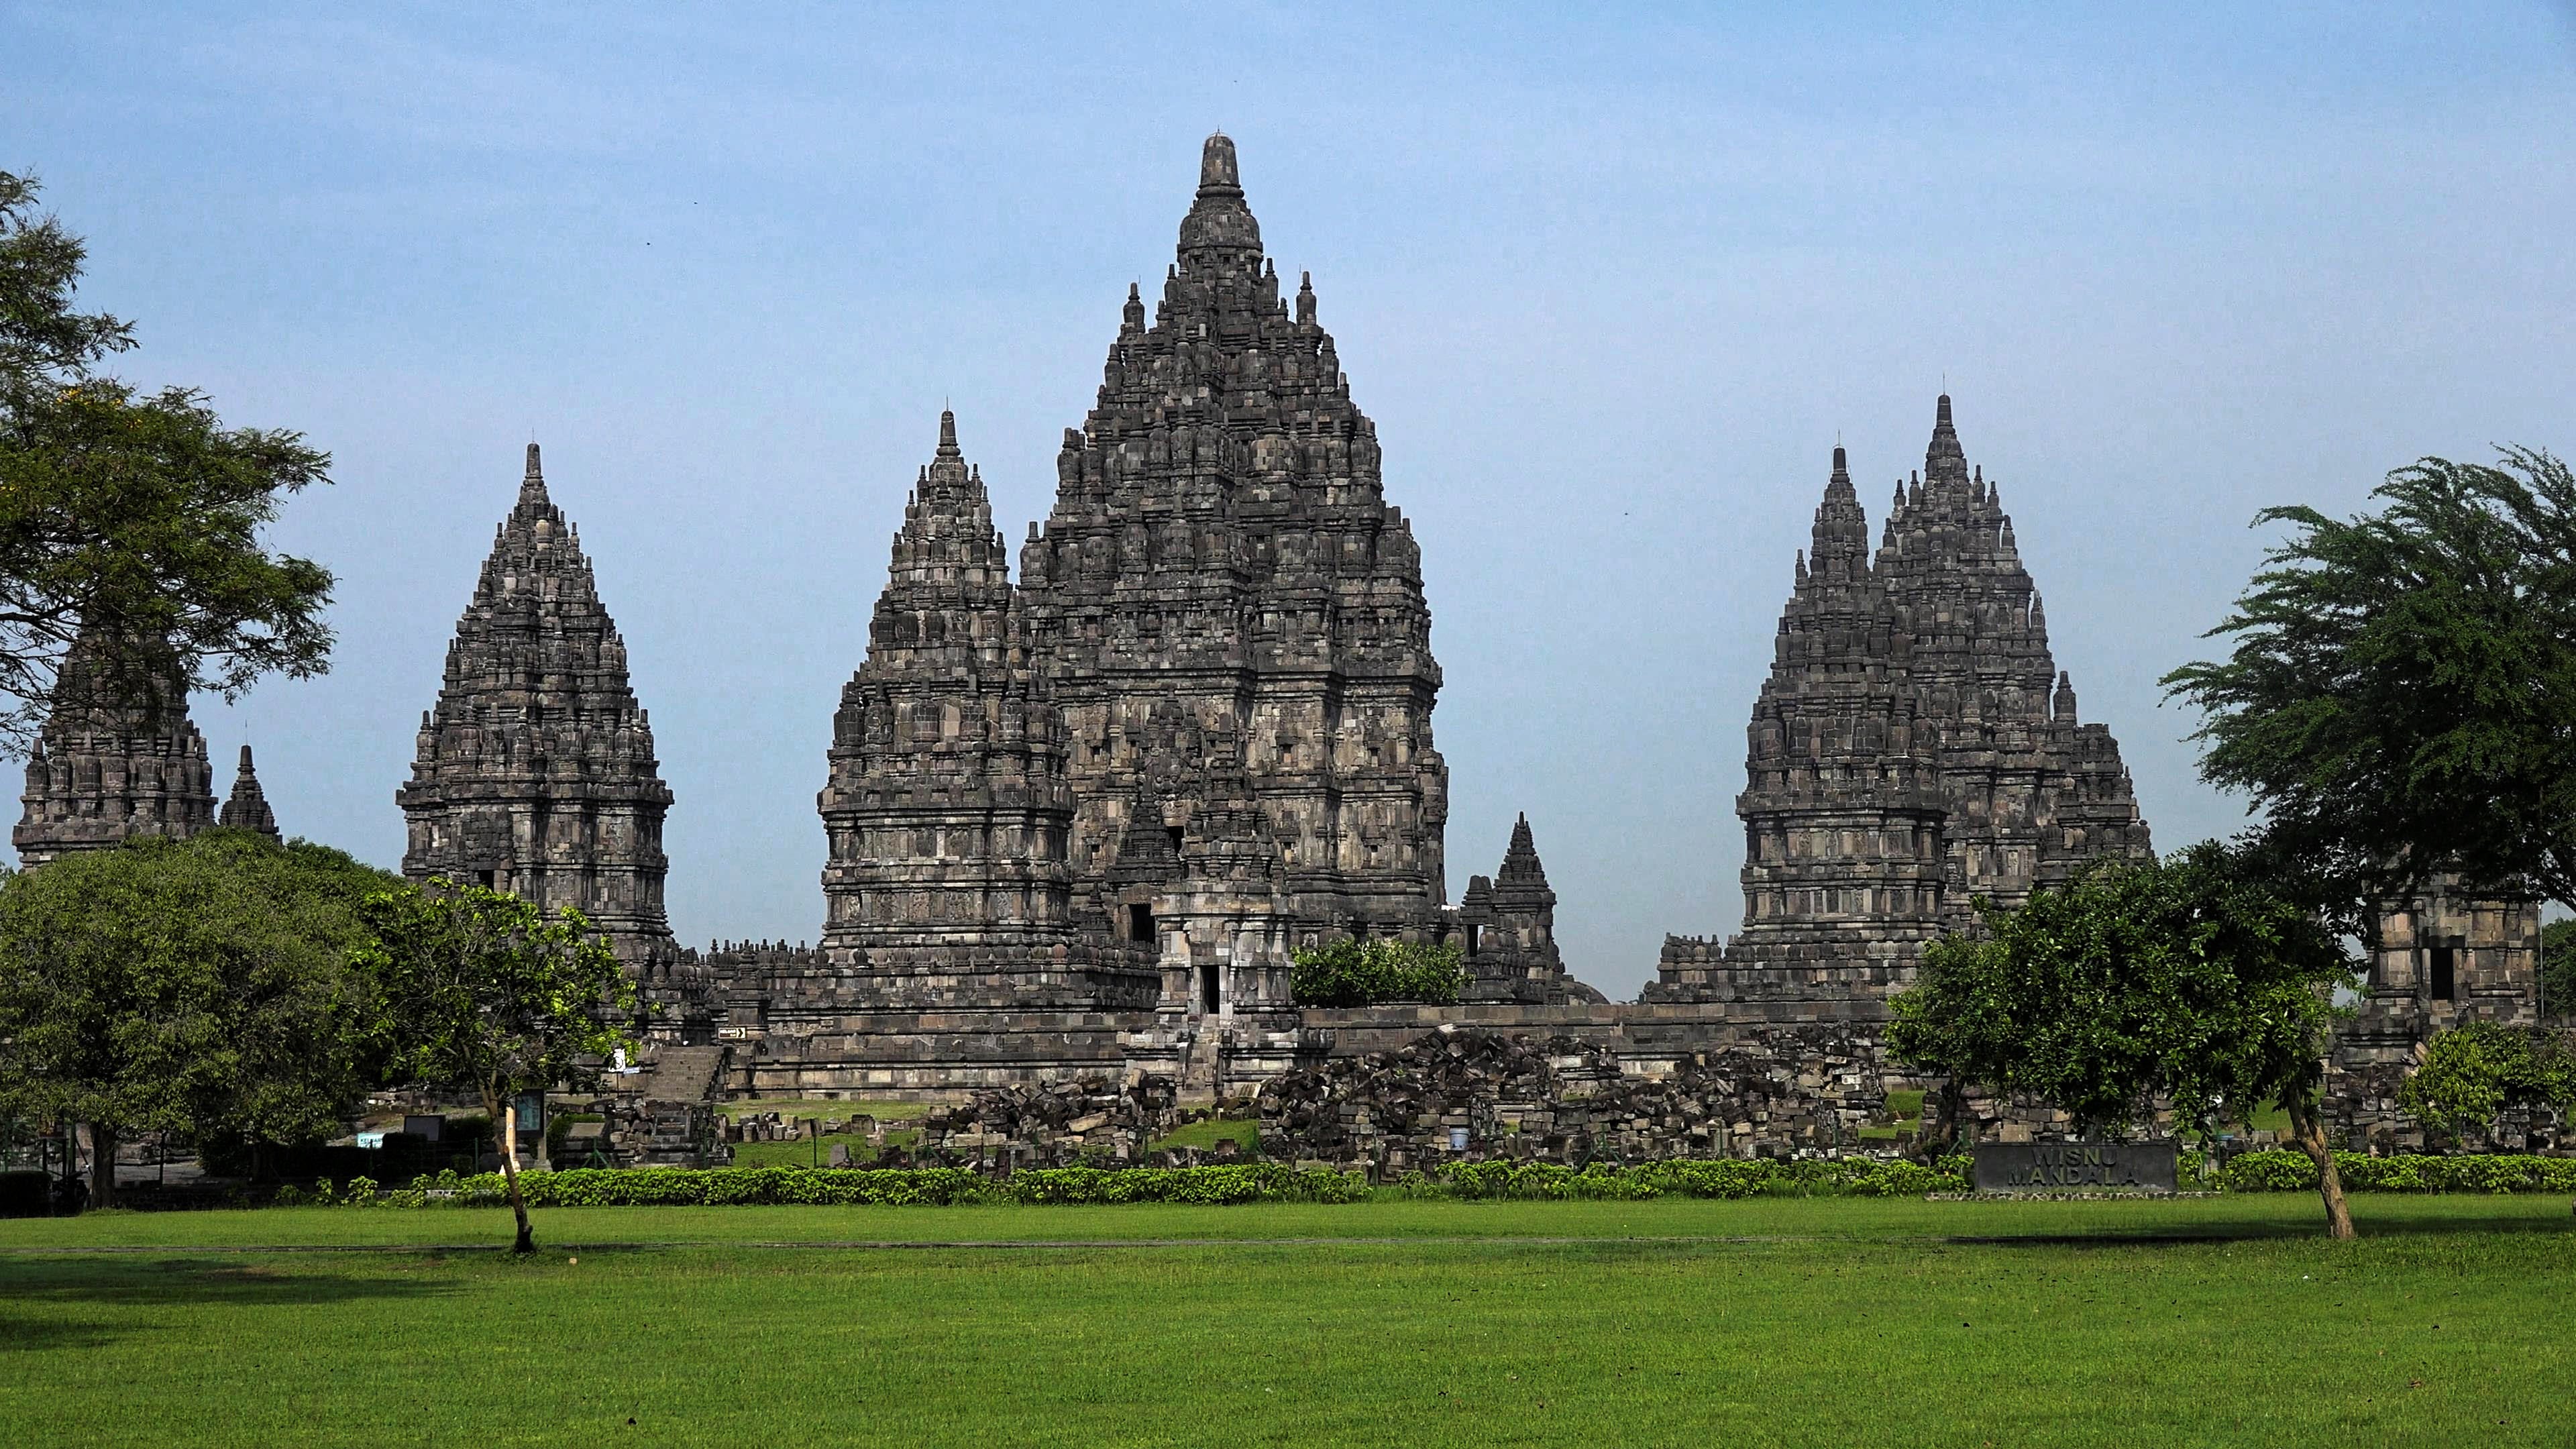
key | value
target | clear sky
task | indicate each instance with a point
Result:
(1611, 280)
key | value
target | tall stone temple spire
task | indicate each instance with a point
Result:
(118, 756)
(1914, 747)
(1221, 538)
(2030, 794)
(947, 807)
(246, 808)
(535, 771)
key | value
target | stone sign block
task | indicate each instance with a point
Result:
(2075, 1166)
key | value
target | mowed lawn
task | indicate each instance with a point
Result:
(1776, 1321)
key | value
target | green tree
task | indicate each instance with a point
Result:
(491, 996)
(2475, 1070)
(2192, 981)
(2400, 698)
(202, 987)
(1364, 973)
(136, 514)
(2558, 968)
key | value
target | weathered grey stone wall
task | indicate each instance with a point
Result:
(1464, 1095)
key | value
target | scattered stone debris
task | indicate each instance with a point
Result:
(1470, 1095)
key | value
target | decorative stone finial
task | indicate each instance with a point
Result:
(247, 807)
(1944, 460)
(532, 485)
(948, 434)
(1216, 166)
(1218, 221)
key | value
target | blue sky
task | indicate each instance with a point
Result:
(1611, 280)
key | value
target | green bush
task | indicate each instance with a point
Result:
(1701, 1178)
(887, 1187)
(1257, 1182)
(1366, 973)
(2283, 1171)
(2473, 1071)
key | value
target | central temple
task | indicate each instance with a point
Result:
(1223, 590)
(1090, 815)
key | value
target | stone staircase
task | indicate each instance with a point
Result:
(665, 1114)
(1203, 1070)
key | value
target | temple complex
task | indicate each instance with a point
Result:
(1079, 825)
(117, 757)
(534, 772)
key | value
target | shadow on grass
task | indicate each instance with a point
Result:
(88, 1302)
(2275, 1230)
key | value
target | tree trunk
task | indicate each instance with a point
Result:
(508, 1131)
(2311, 1135)
(102, 1165)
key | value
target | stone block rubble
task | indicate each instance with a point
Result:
(1453, 1096)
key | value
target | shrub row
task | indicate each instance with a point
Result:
(1214, 1186)
(861, 1186)
(1706, 1178)
(2280, 1170)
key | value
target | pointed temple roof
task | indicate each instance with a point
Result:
(1521, 865)
(1220, 535)
(117, 756)
(946, 628)
(535, 770)
(946, 806)
(246, 808)
(1510, 951)
(1914, 747)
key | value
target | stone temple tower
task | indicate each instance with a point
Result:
(535, 772)
(1221, 540)
(1509, 924)
(948, 811)
(2030, 794)
(1842, 804)
(118, 756)
(1914, 748)
(246, 808)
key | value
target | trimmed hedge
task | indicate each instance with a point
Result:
(1211, 1186)
(1702, 1178)
(2280, 1170)
(2271, 1170)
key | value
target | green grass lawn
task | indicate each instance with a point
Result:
(1772, 1321)
(1207, 1133)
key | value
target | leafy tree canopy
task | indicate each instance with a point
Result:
(1364, 973)
(2401, 694)
(2476, 1070)
(2558, 968)
(494, 997)
(137, 514)
(2192, 980)
(202, 987)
